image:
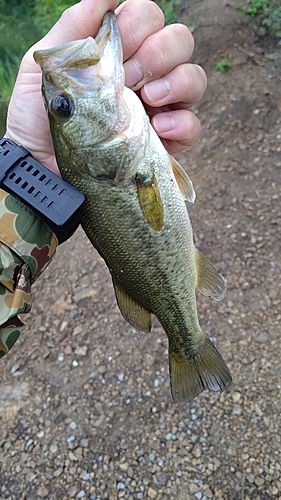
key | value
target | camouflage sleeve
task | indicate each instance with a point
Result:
(27, 245)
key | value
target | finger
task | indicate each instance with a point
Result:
(137, 19)
(185, 84)
(180, 128)
(158, 55)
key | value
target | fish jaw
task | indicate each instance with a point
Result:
(86, 72)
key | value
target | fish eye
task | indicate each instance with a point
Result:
(62, 105)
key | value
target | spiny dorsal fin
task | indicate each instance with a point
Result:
(133, 312)
(200, 370)
(183, 181)
(208, 280)
(150, 201)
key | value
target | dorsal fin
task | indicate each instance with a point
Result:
(208, 280)
(133, 312)
(150, 200)
(183, 181)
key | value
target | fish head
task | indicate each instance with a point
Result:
(82, 86)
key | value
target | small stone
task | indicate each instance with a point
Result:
(73, 425)
(77, 330)
(58, 472)
(197, 451)
(72, 491)
(80, 494)
(68, 350)
(170, 436)
(70, 439)
(198, 495)
(236, 396)
(237, 409)
(81, 351)
(121, 377)
(208, 493)
(84, 443)
(72, 456)
(30, 476)
(43, 492)
(193, 488)
(259, 481)
(29, 443)
(151, 493)
(124, 466)
(120, 486)
(250, 478)
(161, 478)
(262, 338)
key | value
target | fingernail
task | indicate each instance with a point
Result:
(133, 73)
(157, 90)
(163, 122)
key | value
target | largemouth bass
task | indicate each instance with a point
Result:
(135, 213)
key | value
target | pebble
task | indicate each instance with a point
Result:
(84, 443)
(151, 493)
(80, 494)
(81, 351)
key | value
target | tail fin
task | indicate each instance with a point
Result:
(205, 369)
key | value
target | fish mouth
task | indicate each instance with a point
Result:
(79, 53)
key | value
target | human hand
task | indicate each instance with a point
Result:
(154, 59)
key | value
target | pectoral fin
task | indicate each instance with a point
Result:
(150, 201)
(184, 182)
(208, 280)
(133, 312)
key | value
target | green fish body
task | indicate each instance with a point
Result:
(135, 213)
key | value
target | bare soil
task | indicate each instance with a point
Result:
(85, 405)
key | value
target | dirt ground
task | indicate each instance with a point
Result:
(85, 405)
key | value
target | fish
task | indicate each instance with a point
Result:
(135, 213)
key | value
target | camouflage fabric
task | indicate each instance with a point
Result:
(27, 245)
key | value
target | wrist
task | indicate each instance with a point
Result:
(54, 200)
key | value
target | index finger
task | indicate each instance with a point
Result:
(137, 19)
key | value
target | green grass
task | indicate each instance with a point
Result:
(9, 65)
(168, 7)
(269, 13)
(223, 65)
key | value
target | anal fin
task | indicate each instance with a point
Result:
(209, 281)
(133, 312)
(191, 375)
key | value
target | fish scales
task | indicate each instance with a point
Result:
(135, 211)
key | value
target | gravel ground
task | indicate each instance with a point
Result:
(85, 405)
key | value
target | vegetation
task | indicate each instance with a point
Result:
(223, 66)
(269, 13)
(22, 23)
(168, 7)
